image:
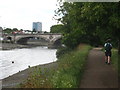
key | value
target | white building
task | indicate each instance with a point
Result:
(37, 26)
(1, 31)
(1, 34)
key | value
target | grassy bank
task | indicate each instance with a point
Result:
(67, 75)
(71, 68)
(115, 61)
(114, 58)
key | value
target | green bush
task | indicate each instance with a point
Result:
(114, 58)
(38, 79)
(62, 51)
(68, 75)
(71, 68)
(115, 61)
(119, 66)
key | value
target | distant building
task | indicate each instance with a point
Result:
(1, 31)
(37, 26)
(1, 34)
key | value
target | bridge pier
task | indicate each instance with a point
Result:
(54, 45)
(51, 46)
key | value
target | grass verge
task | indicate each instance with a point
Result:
(114, 58)
(68, 74)
(71, 68)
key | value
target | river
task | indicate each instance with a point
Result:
(13, 61)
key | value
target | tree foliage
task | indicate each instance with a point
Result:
(89, 22)
(7, 30)
(56, 29)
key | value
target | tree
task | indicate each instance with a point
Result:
(46, 32)
(56, 29)
(15, 29)
(93, 21)
(34, 30)
(7, 30)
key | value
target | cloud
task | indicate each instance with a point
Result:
(21, 13)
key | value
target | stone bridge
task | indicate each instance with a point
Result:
(51, 38)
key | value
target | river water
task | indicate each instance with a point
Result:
(23, 58)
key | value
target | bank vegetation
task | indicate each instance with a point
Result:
(68, 74)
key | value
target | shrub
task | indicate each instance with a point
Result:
(71, 67)
(69, 72)
(114, 59)
(62, 51)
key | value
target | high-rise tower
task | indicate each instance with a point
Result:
(37, 26)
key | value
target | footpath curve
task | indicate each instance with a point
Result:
(98, 74)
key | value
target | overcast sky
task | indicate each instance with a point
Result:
(22, 13)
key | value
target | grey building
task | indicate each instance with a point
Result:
(1, 31)
(37, 26)
(1, 38)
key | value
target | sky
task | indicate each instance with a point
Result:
(22, 13)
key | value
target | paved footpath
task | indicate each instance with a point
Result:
(97, 73)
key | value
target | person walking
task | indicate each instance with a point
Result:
(108, 47)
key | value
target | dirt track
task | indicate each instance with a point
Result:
(97, 73)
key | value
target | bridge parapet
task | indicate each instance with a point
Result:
(50, 37)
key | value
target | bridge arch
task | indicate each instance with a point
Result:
(9, 38)
(24, 40)
(50, 38)
(57, 42)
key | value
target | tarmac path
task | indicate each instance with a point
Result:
(97, 73)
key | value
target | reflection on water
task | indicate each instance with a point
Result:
(13, 61)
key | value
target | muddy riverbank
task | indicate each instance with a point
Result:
(15, 80)
(9, 46)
